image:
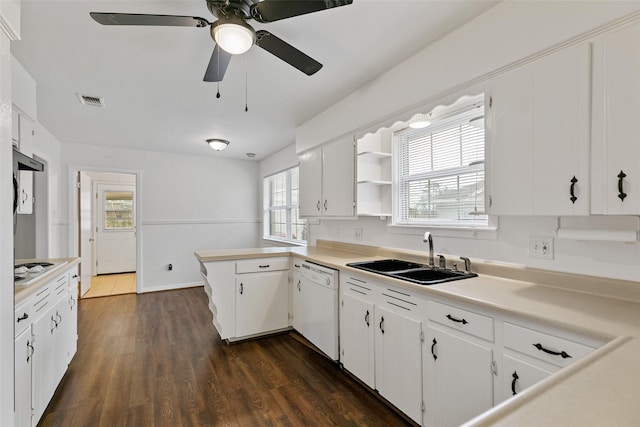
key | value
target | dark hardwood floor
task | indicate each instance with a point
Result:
(156, 360)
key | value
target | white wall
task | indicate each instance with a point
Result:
(186, 203)
(507, 33)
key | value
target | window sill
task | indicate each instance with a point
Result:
(284, 242)
(462, 232)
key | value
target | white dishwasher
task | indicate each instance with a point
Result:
(319, 295)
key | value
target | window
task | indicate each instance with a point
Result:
(281, 218)
(118, 210)
(440, 172)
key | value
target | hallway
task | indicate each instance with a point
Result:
(111, 284)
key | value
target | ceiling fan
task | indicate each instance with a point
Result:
(231, 32)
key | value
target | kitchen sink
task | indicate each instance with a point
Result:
(430, 276)
(411, 271)
(385, 265)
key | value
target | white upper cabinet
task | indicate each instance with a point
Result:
(616, 135)
(327, 180)
(538, 136)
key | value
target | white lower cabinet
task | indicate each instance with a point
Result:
(48, 361)
(443, 363)
(357, 338)
(261, 302)
(398, 354)
(381, 341)
(458, 377)
(296, 296)
(45, 343)
(518, 375)
(459, 365)
(23, 352)
(248, 297)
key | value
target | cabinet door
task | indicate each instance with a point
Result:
(310, 194)
(338, 178)
(71, 330)
(45, 368)
(518, 375)
(509, 133)
(357, 338)
(398, 360)
(296, 302)
(616, 109)
(561, 130)
(22, 386)
(458, 378)
(261, 302)
(539, 136)
(25, 205)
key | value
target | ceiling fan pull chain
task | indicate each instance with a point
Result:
(218, 94)
(246, 84)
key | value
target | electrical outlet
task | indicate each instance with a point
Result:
(541, 247)
(358, 234)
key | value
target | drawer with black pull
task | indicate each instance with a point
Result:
(461, 319)
(540, 345)
(257, 265)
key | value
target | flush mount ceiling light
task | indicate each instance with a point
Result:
(217, 144)
(233, 35)
(477, 122)
(419, 121)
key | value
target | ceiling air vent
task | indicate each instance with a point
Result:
(93, 101)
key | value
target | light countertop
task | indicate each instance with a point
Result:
(22, 292)
(601, 389)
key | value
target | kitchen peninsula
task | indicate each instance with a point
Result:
(598, 317)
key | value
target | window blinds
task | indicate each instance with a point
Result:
(441, 172)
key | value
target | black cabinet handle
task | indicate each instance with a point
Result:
(513, 382)
(621, 193)
(551, 352)
(241, 288)
(453, 319)
(299, 288)
(31, 351)
(54, 324)
(325, 204)
(318, 205)
(59, 317)
(381, 324)
(433, 347)
(25, 316)
(75, 276)
(264, 266)
(366, 318)
(573, 197)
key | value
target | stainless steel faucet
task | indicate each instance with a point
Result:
(429, 240)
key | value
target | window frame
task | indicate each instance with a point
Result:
(445, 121)
(288, 208)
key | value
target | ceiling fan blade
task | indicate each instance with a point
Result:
(143, 19)
(274, 10)
(287, 53)
(217, 65)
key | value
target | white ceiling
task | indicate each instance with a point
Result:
(151, 77)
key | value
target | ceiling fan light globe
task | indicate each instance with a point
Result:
(234, 38)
